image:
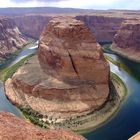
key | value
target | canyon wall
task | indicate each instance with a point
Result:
(11, 39)
(103, 27)
(32, 25)
(127, 40)
(13, 128)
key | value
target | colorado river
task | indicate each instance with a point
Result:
(5, 105)
(127, 121)
(124, 124)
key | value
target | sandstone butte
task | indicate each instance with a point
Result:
(13, 128)
(127, 40)
(67, 81)
(11, 39)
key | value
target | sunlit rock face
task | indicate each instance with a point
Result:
(68, 51)
(11, 38)
(12, 128)
(127, 39)
(67, 80)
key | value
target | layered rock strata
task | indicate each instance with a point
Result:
(69, 78)
(13, 128)
(32, 25)
(104, 27)
(68, 51)
(127, 40)
(11, 38)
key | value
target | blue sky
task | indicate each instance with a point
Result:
(86, 4)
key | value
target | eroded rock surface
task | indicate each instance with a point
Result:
(13, 128)
(32, 25)
(127, 39)
(70, 78)
(11, 38)
(68, 51)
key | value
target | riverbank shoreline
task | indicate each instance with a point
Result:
(5, 104)
(122, 92)
(12, 57)
(128, 54)
(98, 118)
(9, 69)
(118, 64)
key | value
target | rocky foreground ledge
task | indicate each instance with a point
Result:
(67, 84)
(127, 40)
(13, 128)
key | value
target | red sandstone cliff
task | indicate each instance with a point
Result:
(103, 27)
(32, 25)
(127, 39)
(66, 47)
(13, 128)
(11, 38)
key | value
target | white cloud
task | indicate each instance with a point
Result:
(92, 4)
(101, 4)
(5, 3)
(9, 3)
(85, 3)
